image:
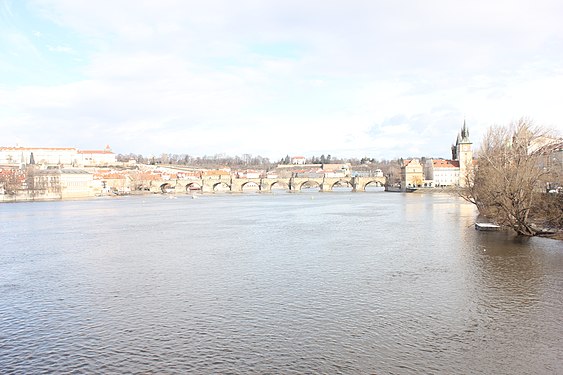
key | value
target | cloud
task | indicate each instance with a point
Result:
(59, 49)
(369, 78)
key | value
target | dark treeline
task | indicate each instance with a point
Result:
(390, 168)
(329, 159)
(200, 161)
(246, 159)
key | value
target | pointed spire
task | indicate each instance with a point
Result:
(23, 164)
(465, 133)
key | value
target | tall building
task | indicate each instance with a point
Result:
(464, 155)
(454, 172)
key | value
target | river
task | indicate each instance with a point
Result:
(350, 283)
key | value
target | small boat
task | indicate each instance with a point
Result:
(487, 226)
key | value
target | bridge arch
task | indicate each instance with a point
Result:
(309, 184)
(167, 187)
(250, 186)
(193, 187)
(278, 185)
(342, 185)
(221, 187)
(371, 184)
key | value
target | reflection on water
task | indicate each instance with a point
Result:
(279, 283)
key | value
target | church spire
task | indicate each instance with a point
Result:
(465, 133)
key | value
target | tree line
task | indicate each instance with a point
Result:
(248, 160)
(200, 161)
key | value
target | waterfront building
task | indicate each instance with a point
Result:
(441, 172)
(112, 181)
(411, 174)
(76, 183)
(34, 183)
(454, 172)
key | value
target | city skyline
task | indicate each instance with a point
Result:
(383, 80)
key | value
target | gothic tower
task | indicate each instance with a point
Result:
(464, 154)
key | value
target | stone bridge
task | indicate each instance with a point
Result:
(237, 185)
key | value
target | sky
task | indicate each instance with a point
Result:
(354, 78)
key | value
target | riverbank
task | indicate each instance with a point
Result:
(554, 236)
(431, 190)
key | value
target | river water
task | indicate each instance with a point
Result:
(357, 283)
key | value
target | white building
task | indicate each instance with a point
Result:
(454, 172)
(298, 160)
(61, 156)
(96, 157)
(37, 155)
(442, 172)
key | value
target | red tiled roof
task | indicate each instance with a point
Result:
(94, 152)
(110, 176)
(441, 163)
(408, 161)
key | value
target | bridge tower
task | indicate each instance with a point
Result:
(464, 154)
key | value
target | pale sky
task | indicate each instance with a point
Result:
(351, 78)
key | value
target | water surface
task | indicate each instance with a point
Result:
(274, 283)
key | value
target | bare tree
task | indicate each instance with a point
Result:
(508, 186)
(11, 181)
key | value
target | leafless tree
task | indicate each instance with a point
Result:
(508, 185)
(11, 181)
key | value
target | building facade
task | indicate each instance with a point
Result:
(442, 173)
(412, 174)
(103, 157)
(60, 156)
(456, 171)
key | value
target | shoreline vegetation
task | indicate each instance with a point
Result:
(516, 181)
